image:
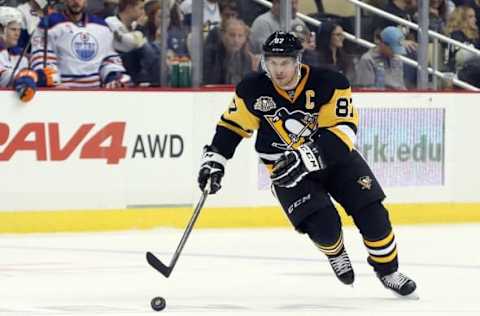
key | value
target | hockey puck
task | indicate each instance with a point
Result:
(158, 303)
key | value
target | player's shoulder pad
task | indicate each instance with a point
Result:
(334, 79)
(251, 84)
(96, 20)
(52, 19)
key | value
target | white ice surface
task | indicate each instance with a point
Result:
(232, 272)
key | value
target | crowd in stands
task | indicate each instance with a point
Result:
(123, 40)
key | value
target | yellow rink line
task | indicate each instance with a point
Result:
(108, 220)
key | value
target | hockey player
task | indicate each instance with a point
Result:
(80, 48)
(31, 11)
(14, 66)
(306, 126)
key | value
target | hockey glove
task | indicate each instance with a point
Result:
(116, 79)
(294, 165)
(46, 77)
(25, 84)
(212, 168)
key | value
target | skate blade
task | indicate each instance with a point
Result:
(411, 297)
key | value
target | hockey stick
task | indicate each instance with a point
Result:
(45, 33)
(160, 266)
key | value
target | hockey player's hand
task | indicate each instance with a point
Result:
(47, 77)
(294, 165)
(212, 168)
(117, 80)
(25, 84)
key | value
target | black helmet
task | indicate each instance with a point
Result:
(282, 44)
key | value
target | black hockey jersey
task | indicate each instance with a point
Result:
(321, 101)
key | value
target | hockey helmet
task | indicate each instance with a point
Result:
(9, 15)
(282, 44)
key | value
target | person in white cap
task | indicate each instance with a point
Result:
(14, 71)
(380, 67)
(10, 54)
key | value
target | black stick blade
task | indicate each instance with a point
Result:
(158, 265)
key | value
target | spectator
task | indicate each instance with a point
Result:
(329, 50)
(79, 49)
(404, 9)
(137, 55)
(124, 26)
(31, 11)
(177, 33)
(153, 10)
(470, 72)
(269, 22)
(230, 60)
(380, 67)
(474, 4)
(302, 32)
(438, 15)
(248, 11)
(462, 27)
(211, 13)
(228, 10)
(154, 17)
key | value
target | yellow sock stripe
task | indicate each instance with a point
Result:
(335, 245)
(379, 243)
(387, 259)
(331, 250)
(382, 251)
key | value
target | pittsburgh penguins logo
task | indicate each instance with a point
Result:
(365, 182)
(293, 128)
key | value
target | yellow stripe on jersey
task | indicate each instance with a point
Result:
(338, 110)
(380, 243)
(245, 123)
(235, 129)
(343, 136)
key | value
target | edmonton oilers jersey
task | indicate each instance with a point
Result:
(8, 59)
(287, 119)
(82, 53)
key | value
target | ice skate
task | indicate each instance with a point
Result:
(400, 284)
(342, 267)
